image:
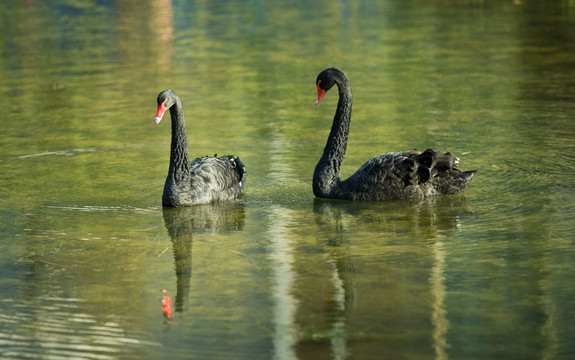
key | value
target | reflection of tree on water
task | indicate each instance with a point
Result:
(181, 223)
(428, 219)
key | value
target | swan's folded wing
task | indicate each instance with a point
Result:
(385, 173)
(217, 173)
(390, 176)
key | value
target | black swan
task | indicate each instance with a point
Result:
(397, 175)
(204, 180)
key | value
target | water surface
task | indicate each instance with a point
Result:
(87, 253)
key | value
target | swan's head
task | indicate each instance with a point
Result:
(166, 99)
(325, 81)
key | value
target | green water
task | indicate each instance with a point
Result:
(86, 249)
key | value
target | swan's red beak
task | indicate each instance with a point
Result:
(320, 94)
(161, 110)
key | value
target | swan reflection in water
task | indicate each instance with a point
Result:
(431, 216)
(401, 225)
(181, 223)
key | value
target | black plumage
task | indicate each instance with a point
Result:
(396, 175)
(205, 179)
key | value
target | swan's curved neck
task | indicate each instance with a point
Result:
(326, 174)
(179, 173)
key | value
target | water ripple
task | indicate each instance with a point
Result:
(69, 152)
(56, 328)
(91, 208)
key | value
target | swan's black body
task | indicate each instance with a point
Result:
(205, 179)
(398, 175)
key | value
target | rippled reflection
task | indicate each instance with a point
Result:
(431, 219)
(285, 303)
(49, 326)
(182, 223)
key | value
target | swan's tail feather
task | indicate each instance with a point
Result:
(447, 162)
(453, 181)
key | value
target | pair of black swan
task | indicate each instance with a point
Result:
(398, 175)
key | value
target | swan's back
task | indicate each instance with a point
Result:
(404, 175)
(216, 179)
